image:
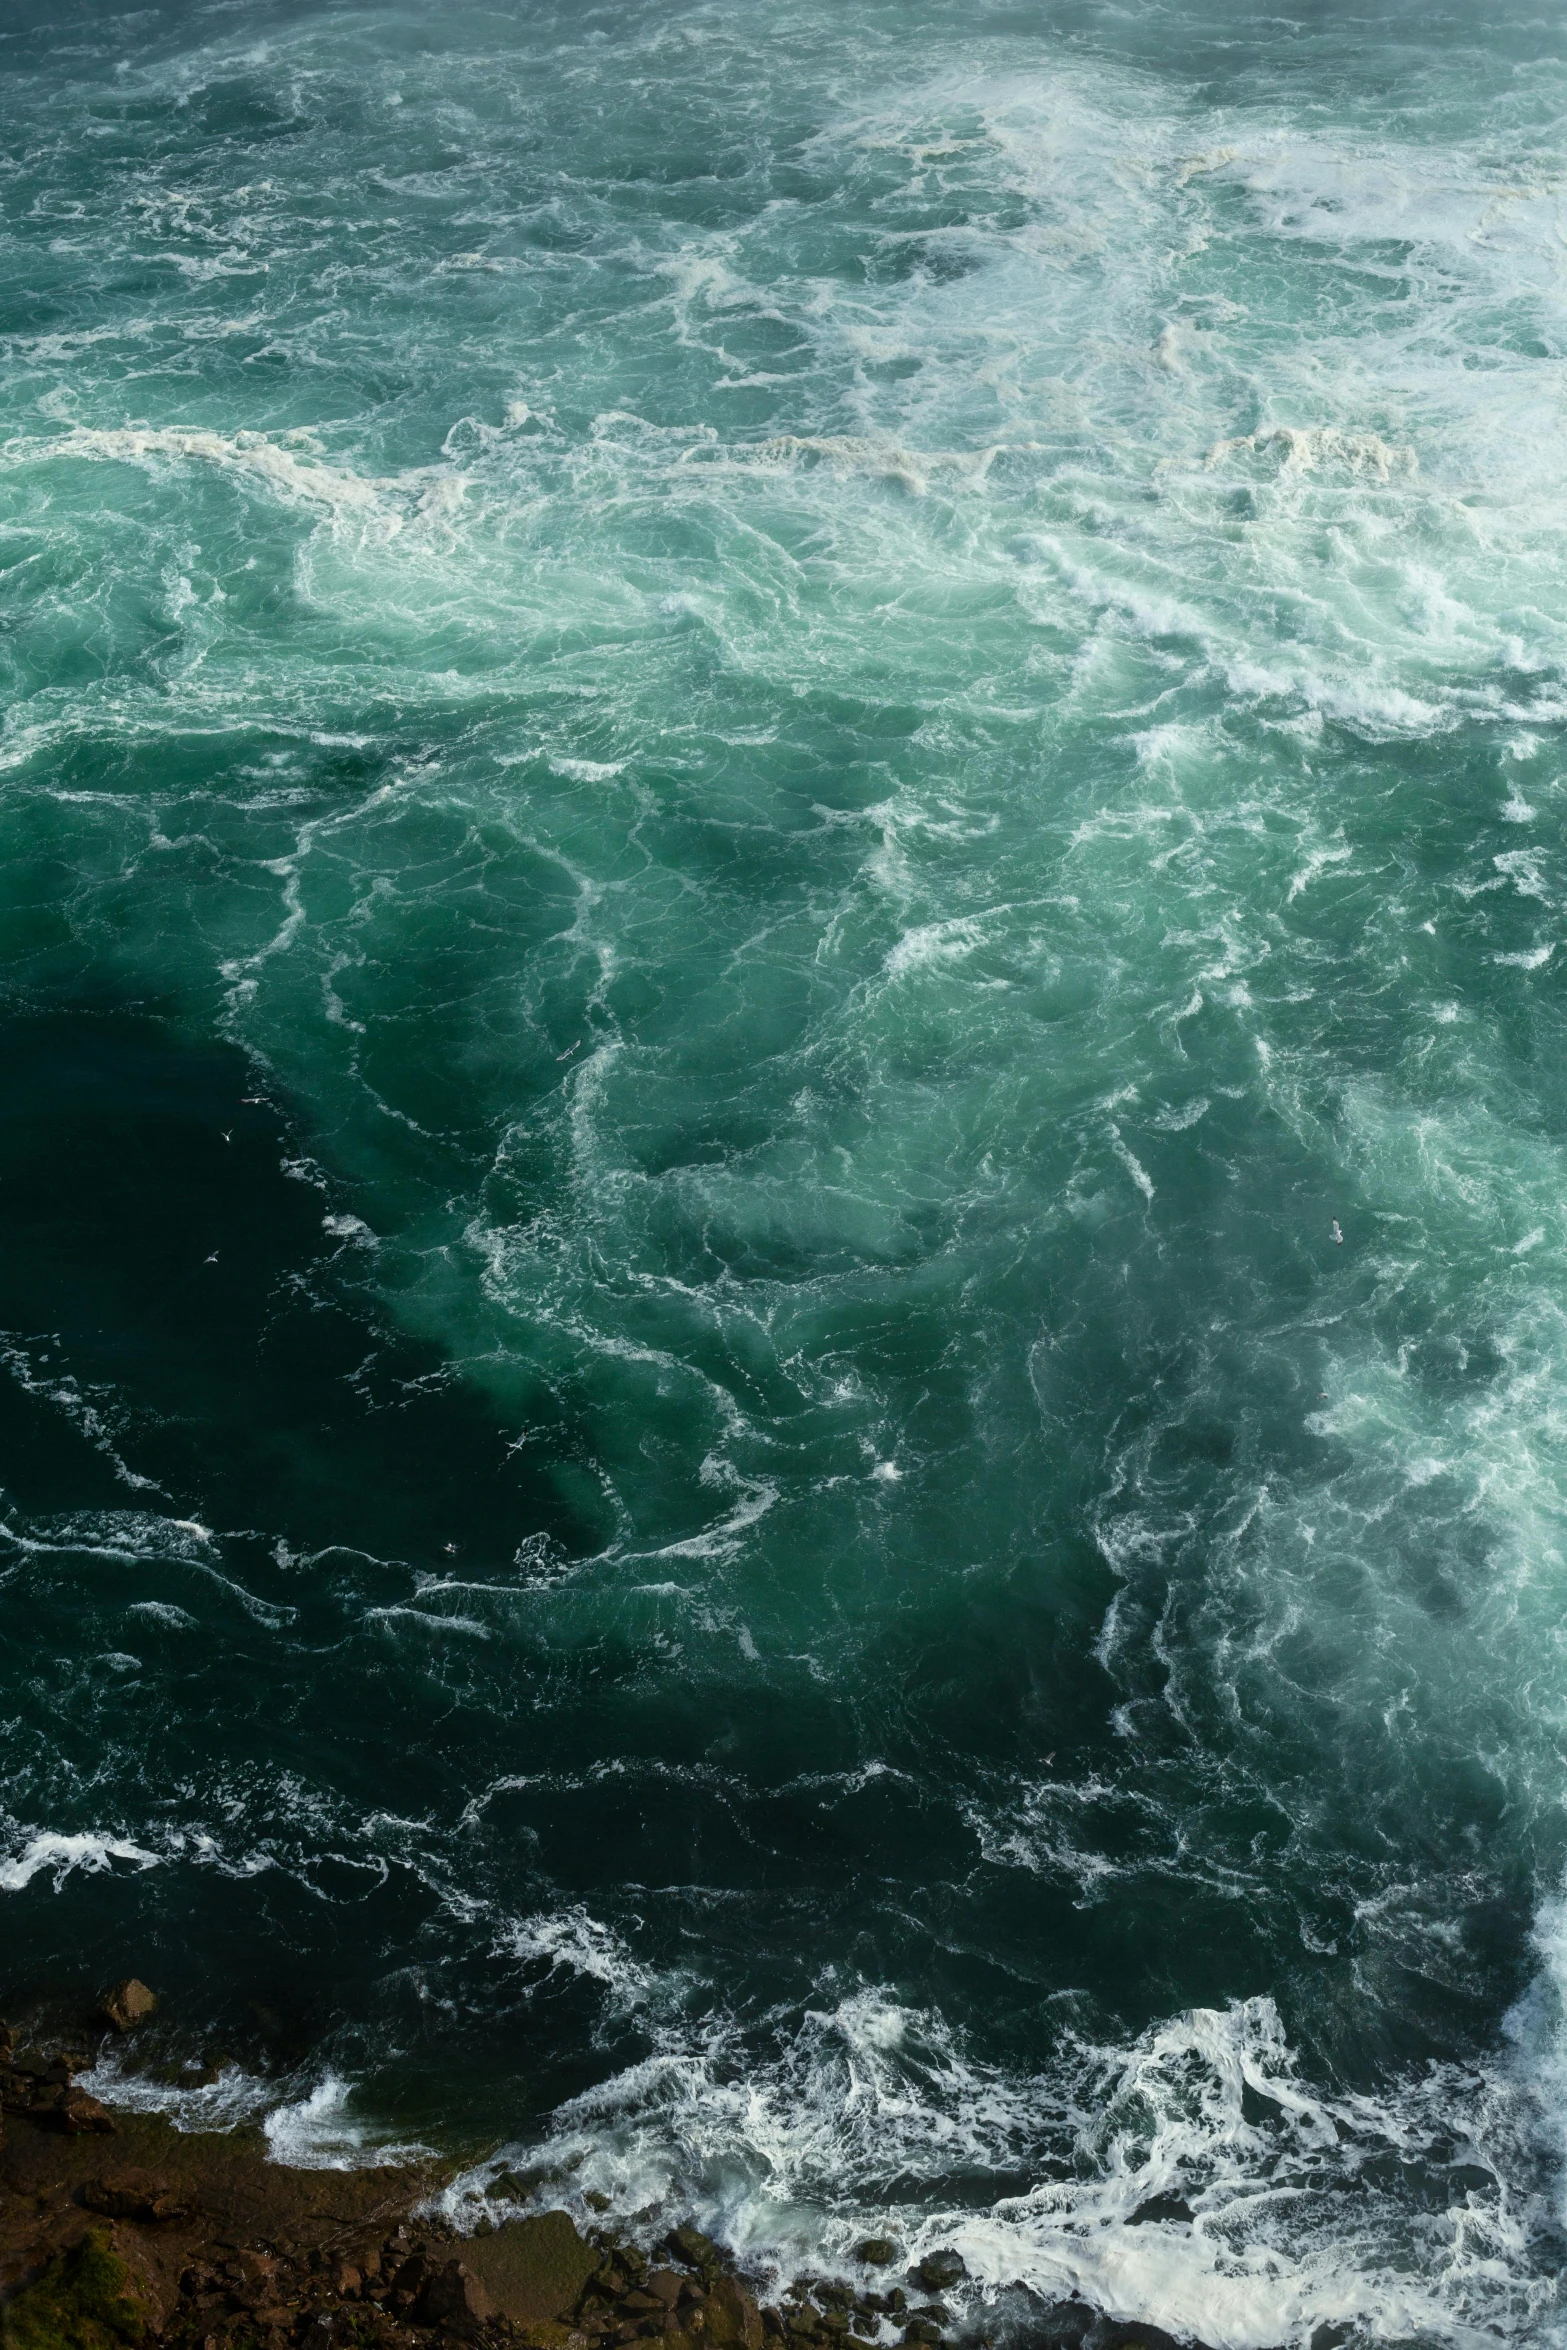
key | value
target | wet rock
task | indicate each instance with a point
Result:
(922, 2329)
(86, 2295)
(20, 2090)
(453, 2297)
(125, 2004)
(409, 2275)
(1073, 2325)
(536, 2270)
(1118, 2334)
(664, 2283)
(877, 2251)
(938, 2270)
(131, 2195)
(689, 2244)
(76, 2113)
(730, 2317)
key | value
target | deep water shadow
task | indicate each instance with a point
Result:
(180, 1304)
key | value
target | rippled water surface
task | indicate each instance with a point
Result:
(783, 1117)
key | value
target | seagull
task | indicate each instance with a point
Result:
(212, 1260)
(229, 1136)
(1338, 1236)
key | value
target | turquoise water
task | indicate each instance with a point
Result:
(783, 1153)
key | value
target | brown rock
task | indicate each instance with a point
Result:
(134, 2195)
(664, 2283)
(127, 2003)
(537, 2269)
(938, 2270)
(76, 2112)
(455, 2298)
(689, 2244)
(731, 2317)
(18, 2089)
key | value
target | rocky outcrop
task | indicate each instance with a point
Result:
(46, 2092)
(193, 2243)
(126, 2004)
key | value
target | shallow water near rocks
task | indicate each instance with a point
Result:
(783, 1136)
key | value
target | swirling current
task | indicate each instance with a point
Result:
(783, 1156)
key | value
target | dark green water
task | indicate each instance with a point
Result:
(783, 1144)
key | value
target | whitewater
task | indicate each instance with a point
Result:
(783, 1150)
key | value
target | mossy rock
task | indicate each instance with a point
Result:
(83, 2300)
(533, 2269)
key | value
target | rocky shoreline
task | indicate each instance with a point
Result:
(119, 2232)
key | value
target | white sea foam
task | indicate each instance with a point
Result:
(319, 2132)
(250, 454)
(310, 2127)
(58, 1855)
(162, 1611)
(428, 1620)
(1160, 560)
(790, 2159)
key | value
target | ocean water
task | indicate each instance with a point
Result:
(783, 1144)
